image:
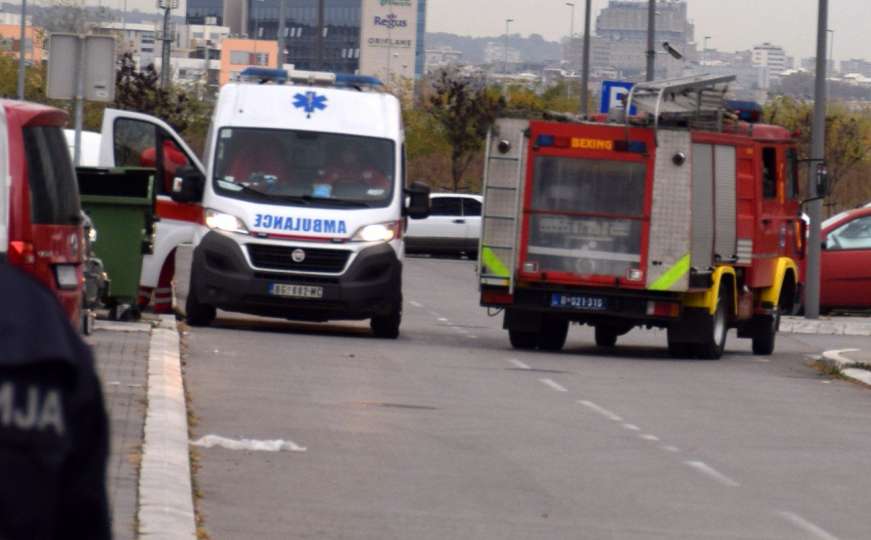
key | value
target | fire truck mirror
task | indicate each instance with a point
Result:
(679, 159)
(822, 180)
(504, 146)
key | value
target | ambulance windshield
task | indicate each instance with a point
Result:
(304, 168)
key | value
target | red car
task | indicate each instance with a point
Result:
(41, 229)
(846, 261)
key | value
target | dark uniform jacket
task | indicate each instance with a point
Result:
(53, 427)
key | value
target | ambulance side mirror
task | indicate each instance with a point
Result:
(187, 186)
(417, 201)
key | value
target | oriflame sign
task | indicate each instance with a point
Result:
(388, 39)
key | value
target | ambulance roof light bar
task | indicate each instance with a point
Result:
(314, 78)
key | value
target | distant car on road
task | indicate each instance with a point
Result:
(846, 261)
(453, 226)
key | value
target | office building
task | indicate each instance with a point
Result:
(205, 12)
(771, 57)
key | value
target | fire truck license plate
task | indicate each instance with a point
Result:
(580, 302)
(296, 291)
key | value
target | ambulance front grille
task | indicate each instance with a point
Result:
(269, 257)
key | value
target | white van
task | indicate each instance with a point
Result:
(303, 200)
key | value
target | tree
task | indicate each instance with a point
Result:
(848, 136)
(464, 110)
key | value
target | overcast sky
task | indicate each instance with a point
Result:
(732, 24)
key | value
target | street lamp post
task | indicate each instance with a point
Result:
(505, 62)
(21, 49)
(282, 31)
(585, 71)
(830, 71)
(651, 40)
(818, 155)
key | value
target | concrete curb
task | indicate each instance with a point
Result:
(848, 367)
(166, 508)
(829, 327)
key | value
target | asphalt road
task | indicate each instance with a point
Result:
(448, 433)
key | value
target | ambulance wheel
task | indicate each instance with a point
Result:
(553, 335)
(524, 341)
(197, 313)
(717, 329)
(764, 340)
(606, 336)
(387, 326)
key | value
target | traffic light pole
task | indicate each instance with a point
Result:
(818, 155)
(651, 41)
(167, 45)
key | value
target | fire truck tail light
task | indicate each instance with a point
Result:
(497, 298)
(663, 309)
(21, 253)
(530, 267)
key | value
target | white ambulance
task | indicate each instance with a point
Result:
(301, 208)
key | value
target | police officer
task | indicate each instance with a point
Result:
(53, 427)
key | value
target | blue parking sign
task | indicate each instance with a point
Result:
(614, 94)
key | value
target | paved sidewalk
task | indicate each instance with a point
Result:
(121, 352)
(831, 326)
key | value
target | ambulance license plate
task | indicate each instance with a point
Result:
(579, 302)
(296, 291)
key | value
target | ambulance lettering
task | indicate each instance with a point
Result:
(305, 225)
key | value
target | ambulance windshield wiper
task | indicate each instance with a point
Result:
(322, 201)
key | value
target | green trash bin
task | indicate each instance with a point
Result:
(121, 204)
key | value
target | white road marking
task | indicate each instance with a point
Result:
(631, 427)
(649, 437)
(517, 363)
(601, 410)
(807, 526)
(470, 336)
(556, 386)
(415, 304)
(442, 319)
(712, 473)
(670, 448)
(277, 445)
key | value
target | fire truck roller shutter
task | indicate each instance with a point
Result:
(505, 164)
(669, 247)
(725, 203)
(702, 223)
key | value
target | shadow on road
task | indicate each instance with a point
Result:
(279, 326)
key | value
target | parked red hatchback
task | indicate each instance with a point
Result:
(40, 210)
(846, 261)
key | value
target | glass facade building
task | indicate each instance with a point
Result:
(205, 11)
(321, 35)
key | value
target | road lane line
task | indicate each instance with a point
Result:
(670, 448)
(470, 336)
(553, 384)
(807, 526)
(442, 319)
(601, 410)
(277, 445)
(712, 473)
(649, 437)
(518, 364)
(415, 304)
(631, 427)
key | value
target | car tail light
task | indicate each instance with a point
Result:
(663, 309)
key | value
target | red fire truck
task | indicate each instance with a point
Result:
(40, 221)
(684, 216)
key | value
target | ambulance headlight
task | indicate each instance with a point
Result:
(224, 222)
(379, 232)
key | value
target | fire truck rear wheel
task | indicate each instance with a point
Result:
(764, 340)
(606, 336)
(718, 328)
(553, 335)
(524, 341)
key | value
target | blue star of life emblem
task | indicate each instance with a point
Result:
(310, 102)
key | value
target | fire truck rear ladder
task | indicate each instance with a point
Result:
(488, 258)
(697, 102)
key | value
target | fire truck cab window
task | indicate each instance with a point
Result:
(792, 182)
(769, 173)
